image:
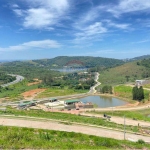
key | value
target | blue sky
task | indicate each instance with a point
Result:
(34, 29)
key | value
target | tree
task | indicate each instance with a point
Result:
(138, 93)
(127, 78)
(106, 89)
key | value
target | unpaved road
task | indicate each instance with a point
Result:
(120, 120)
(92, 89)
(72, 128)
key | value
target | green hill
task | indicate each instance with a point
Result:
(128, 72)
(140, 57)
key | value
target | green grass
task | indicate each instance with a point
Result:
(117, 75)
(123, 91)
(126, 92)
(68, 117)
(28, 138)
(136, 114)
(59, 92)
(147, 86)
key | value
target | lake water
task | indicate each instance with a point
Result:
(103, 101)
(69, 70)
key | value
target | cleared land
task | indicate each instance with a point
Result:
(32, 93)
(59, 92)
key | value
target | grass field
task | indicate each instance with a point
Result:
(59, 92)
(147, 86)
(28, 138)
(126, 92)
(118, 75)
(137, 114)
(123, 91)
(69, 117)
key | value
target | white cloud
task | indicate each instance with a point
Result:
(43, 13)
(44, 44)
(139, 42)
(15, 6)
(37, 18)
(127, 6)
(90, 32)
(89, 16)
(110, 23)
(18, 12)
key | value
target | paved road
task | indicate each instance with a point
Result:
(18, 79)
(72, 128)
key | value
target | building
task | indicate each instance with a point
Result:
(141, 82)
(71, 101)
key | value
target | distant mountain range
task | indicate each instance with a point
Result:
(137, 58)
(81, 61)
(141, 57)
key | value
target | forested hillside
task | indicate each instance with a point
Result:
(141, 57)
(86, 61)
(4, 78)
(27, 69)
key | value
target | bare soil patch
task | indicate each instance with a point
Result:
(36, 82)
(32, 93)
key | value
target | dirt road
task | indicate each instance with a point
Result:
(120, 120)
(92, 89)
(72, 128)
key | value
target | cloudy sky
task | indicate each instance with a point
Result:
(33, 29)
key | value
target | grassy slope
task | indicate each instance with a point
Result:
(137, 114)
(118, 74)
(28, 138)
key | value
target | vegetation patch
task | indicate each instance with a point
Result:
(128, 72)
(28, 138)
(4, 78)
(123, 91)
(127, 92)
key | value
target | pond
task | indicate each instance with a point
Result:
(103, 101)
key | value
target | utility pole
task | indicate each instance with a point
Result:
(124, 128)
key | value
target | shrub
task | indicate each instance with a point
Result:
(140, 141)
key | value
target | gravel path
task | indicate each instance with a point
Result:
(72, 128)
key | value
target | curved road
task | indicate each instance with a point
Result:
(92, 89)
(18, 79)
